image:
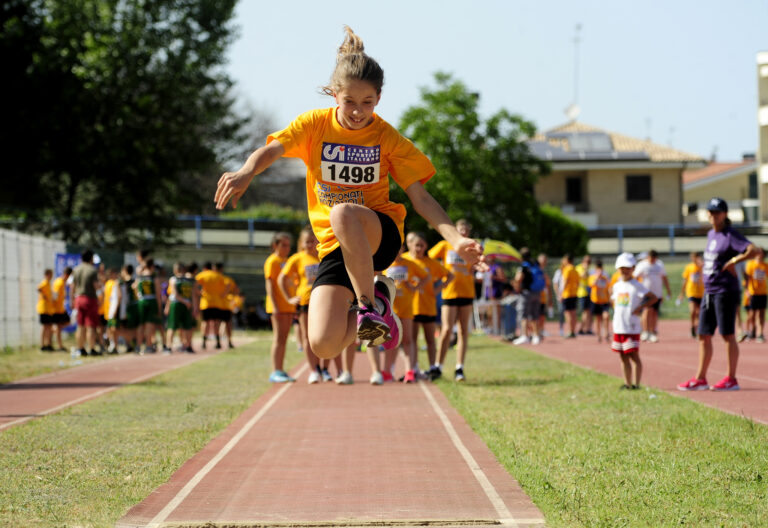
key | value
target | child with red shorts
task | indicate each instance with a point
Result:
(629, 298)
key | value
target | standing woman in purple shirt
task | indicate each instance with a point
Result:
(726, 247)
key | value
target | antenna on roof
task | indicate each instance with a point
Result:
(573, 110)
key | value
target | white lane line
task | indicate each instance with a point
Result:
(505, 517)
(200, 475)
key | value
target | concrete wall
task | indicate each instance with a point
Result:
(23, 260)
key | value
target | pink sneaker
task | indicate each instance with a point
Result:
(380, 329)
(387, 375)
(726, 384)
(371, 326)
(386, 290)
(693, 384)
(410, 377)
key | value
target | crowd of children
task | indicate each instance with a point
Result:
(141, 309)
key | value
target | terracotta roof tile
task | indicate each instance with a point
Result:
(621, 143)
(711, 170)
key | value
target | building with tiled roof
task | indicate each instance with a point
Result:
(603, 178)
(735, 182)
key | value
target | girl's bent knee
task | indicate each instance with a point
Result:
(323, 351)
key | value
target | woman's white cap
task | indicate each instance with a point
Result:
(625, 260)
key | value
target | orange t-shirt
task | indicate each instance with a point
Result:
(351, 166)
(272, 267)
(404, 272)
(694, 281)
(463, 283)
(571, 280)
(302, 266)
(599, 288)
(425, 298)
(755, 275)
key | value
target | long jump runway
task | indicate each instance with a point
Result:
(674, 360)
(328, 455)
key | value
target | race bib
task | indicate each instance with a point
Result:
(350, 164)
(454, 259)
(310, 272)
(398, 273)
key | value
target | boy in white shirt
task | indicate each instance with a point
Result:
(629, 298)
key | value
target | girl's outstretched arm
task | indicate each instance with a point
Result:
(424, 204)
(232, 185)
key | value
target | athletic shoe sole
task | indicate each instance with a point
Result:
(373, 332)
(697, 388)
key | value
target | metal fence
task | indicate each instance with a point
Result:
(23, 260)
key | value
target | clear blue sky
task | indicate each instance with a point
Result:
(682, 72)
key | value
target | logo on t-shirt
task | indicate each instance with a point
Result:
(350, 164)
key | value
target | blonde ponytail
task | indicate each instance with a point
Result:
(352, 64)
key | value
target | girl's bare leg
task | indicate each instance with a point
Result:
(331, 326)
(281, 325)
(358, 230)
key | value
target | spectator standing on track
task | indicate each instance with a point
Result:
(755, 277)
(458, 296)
(147, 287)
(425, 297)
(584, 270)
(653, 275)
(85, 299)
(60, 315)
(557, 289)
(600, 299)
(570, 281)
(45, 310)
(693, 289)
(529, 282)
(107, 303)
(629, 298)
(280, 310)
(230, 291)
(726, 247)
(301, 268)
(408, 277)
(546, 307)
(180, 308)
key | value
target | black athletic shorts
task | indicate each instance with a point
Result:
(46, 319)
(214, 314)
(424, 318)
(332, 270)
(570, 303)
(757, 302)
(718, 310)
(458, 301)
(600, 309)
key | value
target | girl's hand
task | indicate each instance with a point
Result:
(472, 253)
(232, 185)
(295, 300)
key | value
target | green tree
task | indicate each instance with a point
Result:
(485, 171)
(119, 114)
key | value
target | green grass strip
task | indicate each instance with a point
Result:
(589, 454)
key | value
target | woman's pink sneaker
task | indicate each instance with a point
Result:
(693, 384)
(726, 384)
